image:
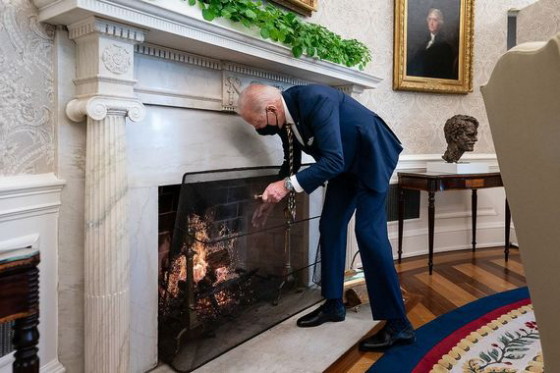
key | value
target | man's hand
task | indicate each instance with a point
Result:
(275, 192)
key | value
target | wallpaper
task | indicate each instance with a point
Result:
(547, 12)
(26, 91)
(418, 118)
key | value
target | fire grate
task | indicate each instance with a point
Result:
(226, 280)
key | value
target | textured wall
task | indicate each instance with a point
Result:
(26, 91)
(418, 118)
(538, 22)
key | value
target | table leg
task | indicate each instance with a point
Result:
(508, 223)
(401, 217)
(26, 334)
(474, 201)
(431, 215)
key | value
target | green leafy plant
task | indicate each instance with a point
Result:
(282, 26)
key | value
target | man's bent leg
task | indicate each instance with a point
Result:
(340, 202)
(381, 277)
(377, 258)
(337, 211)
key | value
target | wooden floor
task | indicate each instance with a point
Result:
(459, 277)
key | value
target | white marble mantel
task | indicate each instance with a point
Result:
(175, 24)
(153, 62)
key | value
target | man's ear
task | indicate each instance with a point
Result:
(272, 108)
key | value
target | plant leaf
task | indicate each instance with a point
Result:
(284, 26)
(250, 14)
(208, 14)
(297, 51)
(264, 33)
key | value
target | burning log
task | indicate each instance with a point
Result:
(219, 258)
(228, 284)
(176, 274)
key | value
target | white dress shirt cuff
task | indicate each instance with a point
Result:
(295, 184)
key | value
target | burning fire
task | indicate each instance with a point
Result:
(200, 238)
(221, 274)
(177, 272)
(201, 247)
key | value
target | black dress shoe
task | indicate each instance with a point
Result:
(388, 336)
(329, 311)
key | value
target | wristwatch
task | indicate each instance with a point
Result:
(288, 184)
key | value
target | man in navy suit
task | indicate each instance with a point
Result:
(356, 153)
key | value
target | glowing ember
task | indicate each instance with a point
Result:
(199, 247)
(215, 281)
(199, 271)
(177, 272)
(221, 274)
(224, 299)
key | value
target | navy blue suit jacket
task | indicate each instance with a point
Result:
(342, 135)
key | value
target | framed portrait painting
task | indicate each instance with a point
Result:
(303, 7)
(433, 45)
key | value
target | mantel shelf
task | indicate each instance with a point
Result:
(175, 24)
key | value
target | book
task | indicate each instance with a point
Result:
(19, 248)
(354, 277)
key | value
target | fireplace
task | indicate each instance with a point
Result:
(159, 64)
(224, 277)
(189, 141)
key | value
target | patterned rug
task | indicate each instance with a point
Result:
(495, 334)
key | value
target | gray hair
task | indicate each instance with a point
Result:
(437, 13)
(256, 97)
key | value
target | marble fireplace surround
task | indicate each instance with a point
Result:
(159, 64)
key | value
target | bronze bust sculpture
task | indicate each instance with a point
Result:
(460, 134)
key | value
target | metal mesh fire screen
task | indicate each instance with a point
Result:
(228, 276)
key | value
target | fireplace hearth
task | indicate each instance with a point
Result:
(224, 279)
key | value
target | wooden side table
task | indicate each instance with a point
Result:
(432, 182)
(19, 286)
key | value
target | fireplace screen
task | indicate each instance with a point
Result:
(229, 275)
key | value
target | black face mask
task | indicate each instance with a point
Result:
(269, 129)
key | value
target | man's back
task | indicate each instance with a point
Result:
(347, 136)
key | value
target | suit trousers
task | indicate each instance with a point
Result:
(346, 194)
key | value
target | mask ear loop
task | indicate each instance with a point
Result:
(275, 116)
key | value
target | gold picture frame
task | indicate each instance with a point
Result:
(433, 46)
(303, 7)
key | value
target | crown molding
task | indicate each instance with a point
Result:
(92, 24)
(175, 55)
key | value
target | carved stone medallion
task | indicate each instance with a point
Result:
(116, 59)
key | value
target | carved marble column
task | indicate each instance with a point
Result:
(104, 82)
